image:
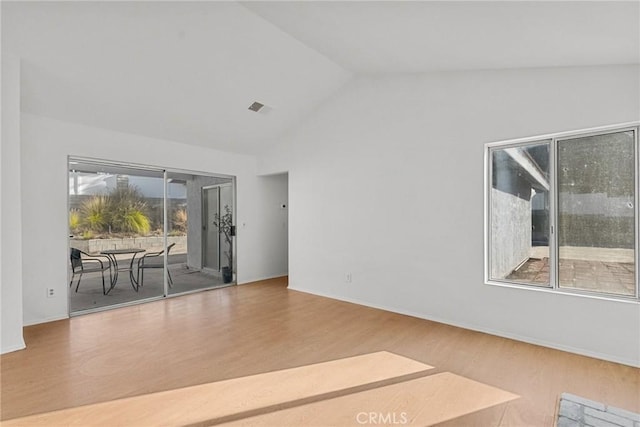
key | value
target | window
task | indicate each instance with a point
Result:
(520, 213)
(561, 212)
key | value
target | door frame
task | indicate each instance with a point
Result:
(231, 185)
(205, 218)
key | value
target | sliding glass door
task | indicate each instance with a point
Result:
(140, 233)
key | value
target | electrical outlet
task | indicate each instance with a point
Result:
(348, 277)
(51, 292)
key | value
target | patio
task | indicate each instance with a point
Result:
(612, 277)
(89, 295)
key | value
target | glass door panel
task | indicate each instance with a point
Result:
(116, 222)
(193, 204)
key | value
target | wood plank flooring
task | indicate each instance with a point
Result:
(206, 403)
(421, 402)
(263, 327)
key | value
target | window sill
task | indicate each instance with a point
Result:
(576, 293)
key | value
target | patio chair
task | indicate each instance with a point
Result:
(153, 260)
(82, 262)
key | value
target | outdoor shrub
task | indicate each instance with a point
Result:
(74, 220)
(122, 210)
(131, 220)
(95, 215)
(127, 211)
(128, 196)
(180, 220)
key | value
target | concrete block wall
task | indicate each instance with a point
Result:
(150, 243)
(510, 232)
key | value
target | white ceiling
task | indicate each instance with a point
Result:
(419, 36)
(179, 71)
(187, 71)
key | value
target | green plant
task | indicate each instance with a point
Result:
(131, 220)
(95, 213)
(87, 234)
(74, 220)
(127, 208)
(224, 223)
(122, 210)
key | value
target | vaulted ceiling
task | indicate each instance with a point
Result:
(419, 36)
(188, 71)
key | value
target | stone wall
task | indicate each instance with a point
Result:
(150, 243)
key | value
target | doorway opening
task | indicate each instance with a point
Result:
(217, 201)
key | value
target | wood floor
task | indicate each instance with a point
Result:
(263, 327)
(425, 401)
(244, 397)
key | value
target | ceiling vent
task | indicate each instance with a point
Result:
(256, 106)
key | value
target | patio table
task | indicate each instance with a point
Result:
(111, 254)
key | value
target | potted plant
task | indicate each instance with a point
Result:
(224, 223)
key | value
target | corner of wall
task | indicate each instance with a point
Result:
(11, 219)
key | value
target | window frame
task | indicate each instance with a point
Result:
(552, 139)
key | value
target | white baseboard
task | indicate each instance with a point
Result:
(250, 281)
(13, 348)
(45, 320)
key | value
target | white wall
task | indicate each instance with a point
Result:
(386, 183)
(46, 143)
(10, 219)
